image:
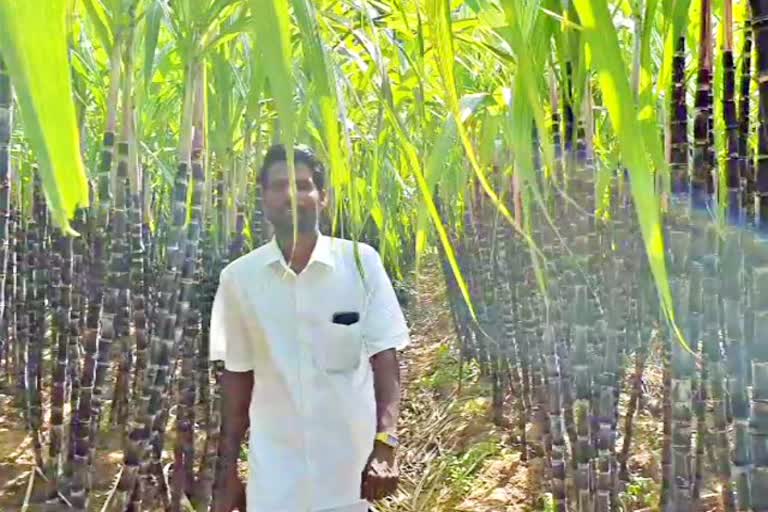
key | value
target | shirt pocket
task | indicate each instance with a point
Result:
(340, 349)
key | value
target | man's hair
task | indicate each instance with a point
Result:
(301, 154)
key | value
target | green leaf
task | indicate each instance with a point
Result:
(527, 66)
(413, 161)
(647, 99)
(101, 22)
(317, 64)
(219, 9)
(36, 53)
(258, 79)
(488, 133)
(600, 35)
(674, 27)
(154, 16)
(273, 31)
(231, 32)
(443, 43)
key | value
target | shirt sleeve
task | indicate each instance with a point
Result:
(229, 340)
(384, 325)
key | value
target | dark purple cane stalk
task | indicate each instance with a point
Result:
(702, 178)
(6, 126)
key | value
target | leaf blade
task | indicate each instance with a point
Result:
(36, 53)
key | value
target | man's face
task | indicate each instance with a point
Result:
(277, 199)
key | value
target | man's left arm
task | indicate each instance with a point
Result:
(386, 382)
(385, 332)
(381, 476)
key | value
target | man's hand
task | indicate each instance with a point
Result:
(231, 496)
(381, 475)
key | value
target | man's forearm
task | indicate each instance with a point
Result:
(386, 383)
(236, 390)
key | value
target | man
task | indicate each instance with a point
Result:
(309, 343)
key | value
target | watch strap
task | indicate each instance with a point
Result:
(387, 439)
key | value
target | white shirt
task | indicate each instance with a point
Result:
(313, 408)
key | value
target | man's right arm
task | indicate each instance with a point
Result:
(230, 341)
(236, 388)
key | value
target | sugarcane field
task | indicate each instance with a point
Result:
(541, 229)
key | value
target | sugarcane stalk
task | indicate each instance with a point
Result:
(76, 329)
(637, 389)
(758, 420)
(746, 168)
(557, 146)
(512, 273)
(162, 339)
(583, 452)
(696, 275)
(750, 447)
(82, 421)
(732, 170)
(9, 289)
(203, 491)
(681, 372)
(61, 302)
(760, 31)
(605, 413)
(569, 128)
(702, 178)
(139, 275)
(731, 290)
(666, 443)
(138, 302)
(717, 393)
(115, 310)
(678, 121)
(21, 324)
(36, 282)
(6, 127)
(189, 312)
(758, 424)
(557, 464)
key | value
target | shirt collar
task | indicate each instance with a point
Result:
(322, 253)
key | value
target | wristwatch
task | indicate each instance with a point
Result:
(387, 439)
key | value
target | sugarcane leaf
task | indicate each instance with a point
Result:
(220, 9)
(488, 133)
(526, 65)
(647, 99)
(412, 158)
(673, 29)
(152, 32)
(317, 65)
(600, 35)
(224, 24)
(273, 34)
(440, 18)
(273, 31)
(36, 53)
(102, 23)
(231, 32)
(258, 79)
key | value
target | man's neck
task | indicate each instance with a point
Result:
(297, 255)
